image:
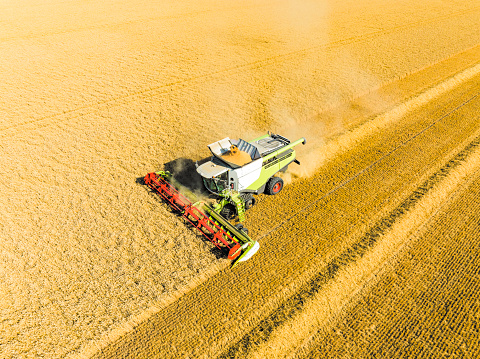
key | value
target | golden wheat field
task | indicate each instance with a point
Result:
(371, 250)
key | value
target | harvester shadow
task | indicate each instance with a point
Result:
(184, 173)
(217, 252)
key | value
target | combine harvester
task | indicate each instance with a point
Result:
(237, 171)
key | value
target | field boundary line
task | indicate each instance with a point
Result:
(86, 110)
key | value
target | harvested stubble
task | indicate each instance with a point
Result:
(360, 266)
(425, 303)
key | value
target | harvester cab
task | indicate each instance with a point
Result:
(237, 171)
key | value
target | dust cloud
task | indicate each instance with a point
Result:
(321, 125)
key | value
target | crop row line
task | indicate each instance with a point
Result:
(132, 96)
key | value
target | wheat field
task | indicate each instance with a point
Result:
(94, 95)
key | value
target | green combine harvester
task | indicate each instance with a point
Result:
(237, 171)
(240, 169)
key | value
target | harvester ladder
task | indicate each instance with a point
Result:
(240, 206)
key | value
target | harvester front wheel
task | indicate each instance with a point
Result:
(274, 185)
(228, 211)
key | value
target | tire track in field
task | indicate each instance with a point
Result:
(164, 88)
(456, 187)
(439, 316)
(262, 332)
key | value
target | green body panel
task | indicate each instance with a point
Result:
(283, 149)
(271, 165)
(221, 203)
(234, 198)
(274, 162)
(239, 204)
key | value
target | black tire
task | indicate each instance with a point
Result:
(240, 227)
(248, 200)
(274, 185)
(228, 211)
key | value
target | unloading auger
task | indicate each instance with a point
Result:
(237, 170)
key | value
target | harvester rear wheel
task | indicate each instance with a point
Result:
(274, 185)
